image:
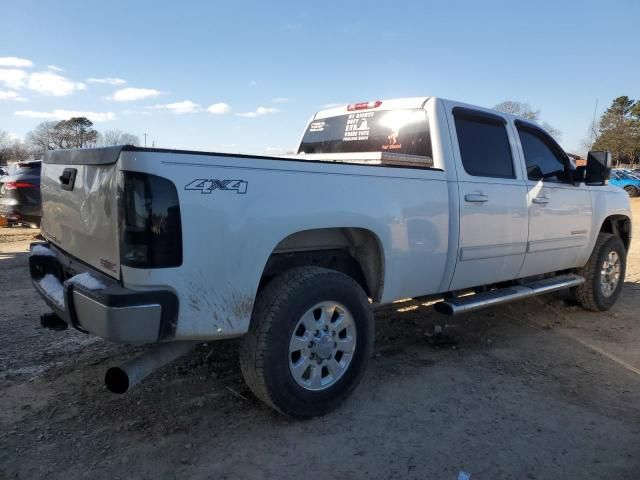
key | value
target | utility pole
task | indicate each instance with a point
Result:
(145, 140)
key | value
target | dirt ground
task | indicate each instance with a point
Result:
(533, 390)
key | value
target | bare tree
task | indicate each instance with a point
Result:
(43, 138)
(524, 110)
(118, 137)
(518, 108)
(590, 135)
(12, 149)
(551, 130)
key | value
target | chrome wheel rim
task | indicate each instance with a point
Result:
(322, 346)
(610, 274)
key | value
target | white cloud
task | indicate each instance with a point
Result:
(53, 84)
(47, 82)
(219, 108)
(11, 95)
(281, 100)
(187, 106)
(15, 62)
(12, 136)
(96, 117)
(131, 94)
(107, 80)
(253, 83)
(55, 69)
(180, 108)
(259, 112)
(332, 105)
(13, 78)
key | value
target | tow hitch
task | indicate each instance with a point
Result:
(52, 322)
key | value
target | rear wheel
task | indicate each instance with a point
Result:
(603, 273)
(631, 191)
(309, 343)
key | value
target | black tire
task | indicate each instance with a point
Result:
(631, 191)
(264, 350)
(590, 294)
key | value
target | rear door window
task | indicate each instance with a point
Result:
(403, 131)
(484, 144)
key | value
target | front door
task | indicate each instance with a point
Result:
(492, 195)
(559, 212)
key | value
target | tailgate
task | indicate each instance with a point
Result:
(80, 205)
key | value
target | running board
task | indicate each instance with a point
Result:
(455, 306)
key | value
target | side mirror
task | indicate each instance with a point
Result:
(598, 168)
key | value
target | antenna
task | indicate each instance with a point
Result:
(593, 125)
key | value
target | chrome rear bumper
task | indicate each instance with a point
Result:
(94, 303)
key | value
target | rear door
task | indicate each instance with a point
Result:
(80, 205)
(559, 212)
(492, 191)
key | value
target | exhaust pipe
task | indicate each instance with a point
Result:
(122, 378)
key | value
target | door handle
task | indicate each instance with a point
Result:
(541, 200)
(475, 198)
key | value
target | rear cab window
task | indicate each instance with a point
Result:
(403, 133)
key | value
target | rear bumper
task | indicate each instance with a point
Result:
(94, 303)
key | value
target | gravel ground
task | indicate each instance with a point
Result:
(534, 390)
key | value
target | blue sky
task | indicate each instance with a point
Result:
(246, 76)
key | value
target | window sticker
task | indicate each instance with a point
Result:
(402, 131)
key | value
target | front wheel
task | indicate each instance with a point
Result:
(603, 273)
(309, 342)
(631, 191)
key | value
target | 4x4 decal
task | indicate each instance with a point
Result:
(208, 185)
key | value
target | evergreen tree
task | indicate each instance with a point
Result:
(619, 131)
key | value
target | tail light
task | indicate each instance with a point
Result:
(17, 185)
(363, 105)
(151, 231)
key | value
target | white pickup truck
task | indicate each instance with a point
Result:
(384, 200)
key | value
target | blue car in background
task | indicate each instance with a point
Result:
(630, 183)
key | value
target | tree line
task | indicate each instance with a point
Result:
(617, 130)
(76, 132)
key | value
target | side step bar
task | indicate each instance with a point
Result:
(458, 305)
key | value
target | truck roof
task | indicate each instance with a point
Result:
(389, 104)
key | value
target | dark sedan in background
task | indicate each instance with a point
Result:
(20, 201)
